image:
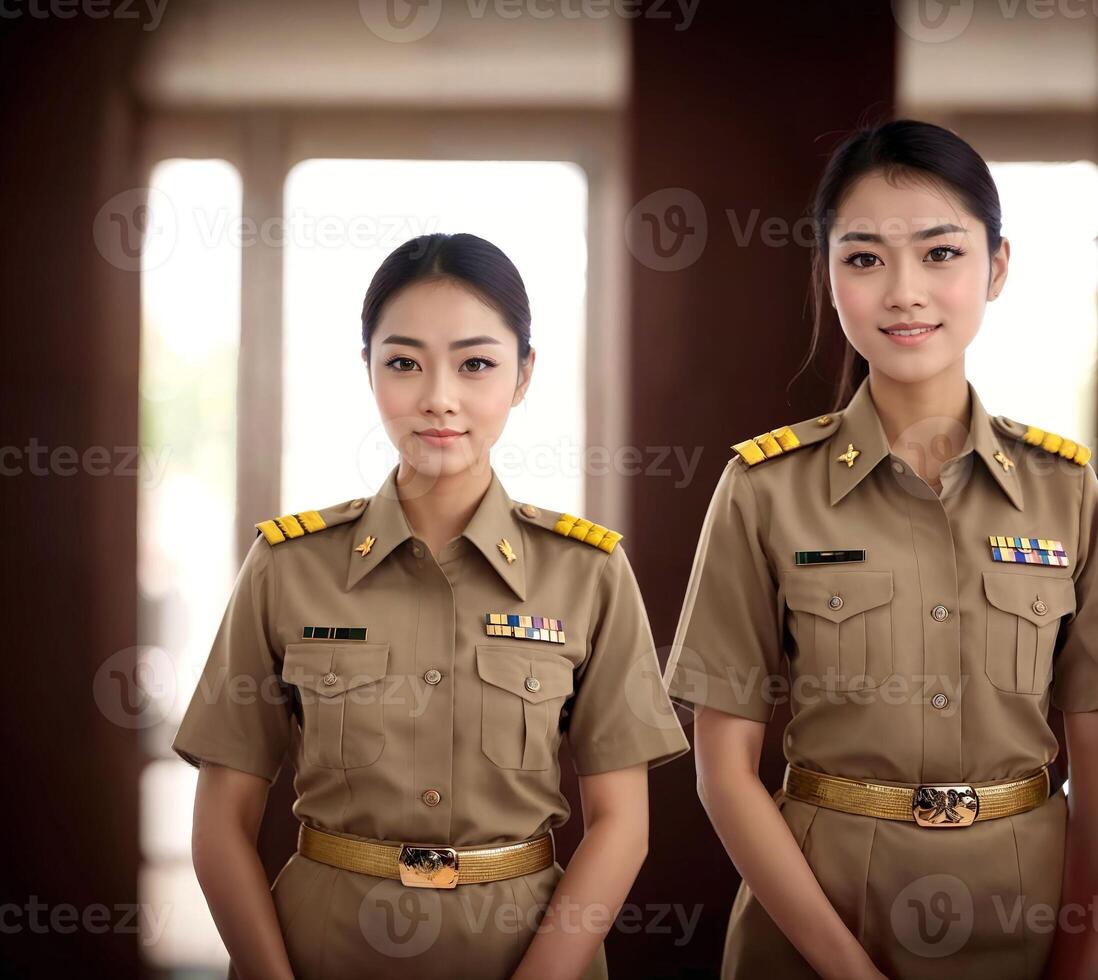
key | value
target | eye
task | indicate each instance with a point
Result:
(483, 361)
(945, 253)
(855, 260)
(400, 364)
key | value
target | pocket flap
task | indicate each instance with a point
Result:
(812, 591)
(1017, 594)
(334, 668)
(517, 671)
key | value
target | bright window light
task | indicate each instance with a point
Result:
(1035, 356)
(342, 218)
(190, 336)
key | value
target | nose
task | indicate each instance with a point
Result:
(906, 289)
(438, 397)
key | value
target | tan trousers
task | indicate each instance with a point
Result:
(975, 902)
(339, 925)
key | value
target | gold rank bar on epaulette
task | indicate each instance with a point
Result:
(524, 627)
(587, 532)
(279, 529)
(1028, 551)
(1052, 443)
(772, 443)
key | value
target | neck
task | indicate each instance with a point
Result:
(439, 508)
(925, 421)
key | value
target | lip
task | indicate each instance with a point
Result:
(439, 437)
(910, 340)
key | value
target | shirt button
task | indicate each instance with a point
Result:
(1039, 607)
(417, 551)
(533, 684)
(939, 700)
(432, 797)
(939, 612)
(433, 676)
(329, 678)
(835, 602)
(357, 502)
(898, 467)
(529, 510)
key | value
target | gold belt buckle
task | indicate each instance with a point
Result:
(428, 867)
(945, 806)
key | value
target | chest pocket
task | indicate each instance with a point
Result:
(842, 625)
(1023, 619)
(340, 687)
(521, 699)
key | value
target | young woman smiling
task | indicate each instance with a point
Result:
(931, 574)
(422, 652)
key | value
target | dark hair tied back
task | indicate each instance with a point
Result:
(900, 149)
(466, 259)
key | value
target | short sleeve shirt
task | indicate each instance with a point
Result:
(933, 656)
(424, 699)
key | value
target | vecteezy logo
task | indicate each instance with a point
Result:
(398, 921)
(932, 21)
(136, 229)
(135, 688)
(400, 21)
(932, 917)
(667, 230)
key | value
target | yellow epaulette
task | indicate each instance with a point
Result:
(1050, 442)
(777, 442)
(583, 530)
(279, 529)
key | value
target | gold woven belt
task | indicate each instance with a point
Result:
(934, 806)
(422, 866)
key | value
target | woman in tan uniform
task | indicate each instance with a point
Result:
(418, 655)
(931, 574)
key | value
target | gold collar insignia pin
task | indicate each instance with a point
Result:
(364, 548)
(849, 456)
(505, 549)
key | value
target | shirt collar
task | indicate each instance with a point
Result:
(861, 426)
(493, 522)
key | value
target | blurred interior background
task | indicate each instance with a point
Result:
(199, 192)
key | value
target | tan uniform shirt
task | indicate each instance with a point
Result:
(927, 662)
(431, 730)
(437, 728)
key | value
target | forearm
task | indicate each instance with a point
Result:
(236, 890)
(585, 903)
(759, 842)
(1075, 945)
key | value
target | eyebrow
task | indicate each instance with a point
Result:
(396, 338)
(866, 236)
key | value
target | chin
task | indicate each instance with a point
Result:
(910, 370)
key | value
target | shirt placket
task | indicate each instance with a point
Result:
(939, 595)
(432, 765)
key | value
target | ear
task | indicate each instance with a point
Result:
(999, 264)
(526, 372)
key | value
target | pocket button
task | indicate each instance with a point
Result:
(329, 678)
(1039, 607)
(533, 684)
(835, 602)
